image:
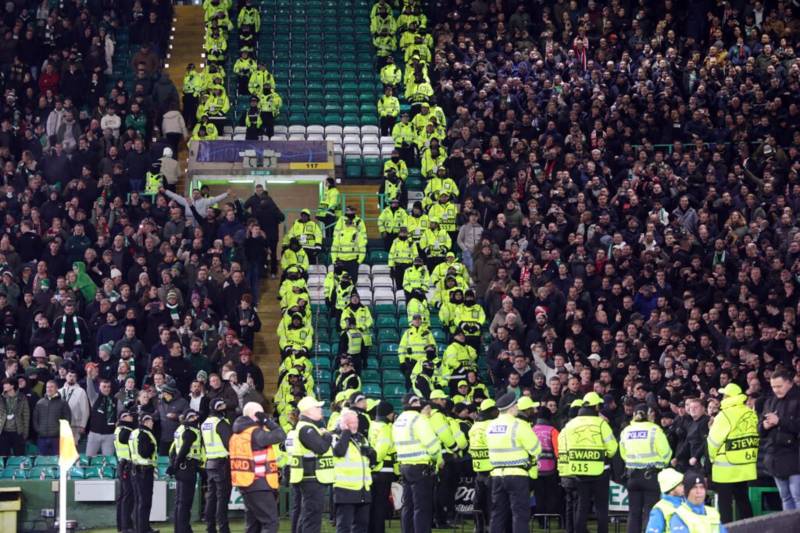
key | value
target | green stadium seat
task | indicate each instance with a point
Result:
(373, 168)
(319, 309)
(370, 376)
(323, 349)
(46, 460)
(393, 376)
(402, 322)
(323, 363)
(324, 391)
(322, 375)
(368, 120)
(386, 309)
(396, 390)
(439, 335)
(44, 472)
(435, 321)
(372, 389)
(19, 461)
(353, 167)
(390, 362)
(162, 471)
(14, 473)
(387, 349)
(388, 335)
(378, 257)
(386, 321)
(163, 460)
(351, 120)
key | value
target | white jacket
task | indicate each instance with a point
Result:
(170, 170)
(78, 403)
(173, 123)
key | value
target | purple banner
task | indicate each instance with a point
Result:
(290, 151)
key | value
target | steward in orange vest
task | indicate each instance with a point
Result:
(254, 468)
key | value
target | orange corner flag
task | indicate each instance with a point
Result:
(67, 452)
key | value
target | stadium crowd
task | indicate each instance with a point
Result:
(610, 194)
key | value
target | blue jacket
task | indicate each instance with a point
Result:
(656, 523)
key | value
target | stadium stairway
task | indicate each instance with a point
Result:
(186, 46)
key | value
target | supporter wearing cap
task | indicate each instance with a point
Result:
(590, 444)
(170, 408)
(314, 462)
(733, 450)
(670, 483)
(513, 449)
(358, 404)
(693, 514)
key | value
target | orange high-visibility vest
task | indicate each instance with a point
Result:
(248, 465)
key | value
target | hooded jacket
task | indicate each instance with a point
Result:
(83, 282)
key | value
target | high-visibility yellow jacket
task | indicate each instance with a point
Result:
(308, 233)
(590, 443)
(391, 220)
(388, 106)
(413, 342)
(391, 75)
(400, 168)
(415, 440)
(643, 445)
(445, 214)
(733, 442)
(429, 163)
(249, 16)
(402, 252)
(403, 134)
(349, 244)
(513, 447)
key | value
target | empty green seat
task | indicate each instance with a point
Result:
(378, 257)
(323, 349)
(46, 460)
(373, 168)
(372, 389)
(386, 309)
(19, 461)
(390, 362)
(322, 375)
(386, 321)
(353, 167)
(387, 349)
(393, 376)
(324, 391)
(396, 389)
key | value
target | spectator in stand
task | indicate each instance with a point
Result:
(47, 414)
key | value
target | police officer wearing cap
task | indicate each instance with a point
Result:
(353, 457)
(122, 449)
(385, 469)
(670, 482)
(733, 450)
(513, 450)
(590, 445)
(216, 432)
(186, 457)
(693, 515)
(448, 474)
(479, 452)
(646, 451)
(254, 467)
(312, 463)
(419, 454)
(144, 456)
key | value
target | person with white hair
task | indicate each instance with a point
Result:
(169, 168)
(352, 475)
(312, 463)
(254, 466)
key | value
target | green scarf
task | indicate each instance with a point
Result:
(62, 334)
(174, 312)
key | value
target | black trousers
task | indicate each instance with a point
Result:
(125, 505)
(185, 483)
(570, 487)
(643, 493)
(380, 491)
(272, 247)
(269, 124)
(189, 111)
(142, 497)
(351, 267)
(297, 507)
(313, 504)
(727, 493)
(511, 502)
(482, 501)
(446, 492)
(387, 123)
(417, 513)
(547, 493)
(352, 517)
(398, 271)
(174, 140)
(592, 489)
(260, 511)
(12, 443)
(217, 496)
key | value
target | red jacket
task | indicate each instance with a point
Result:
(49, 81)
